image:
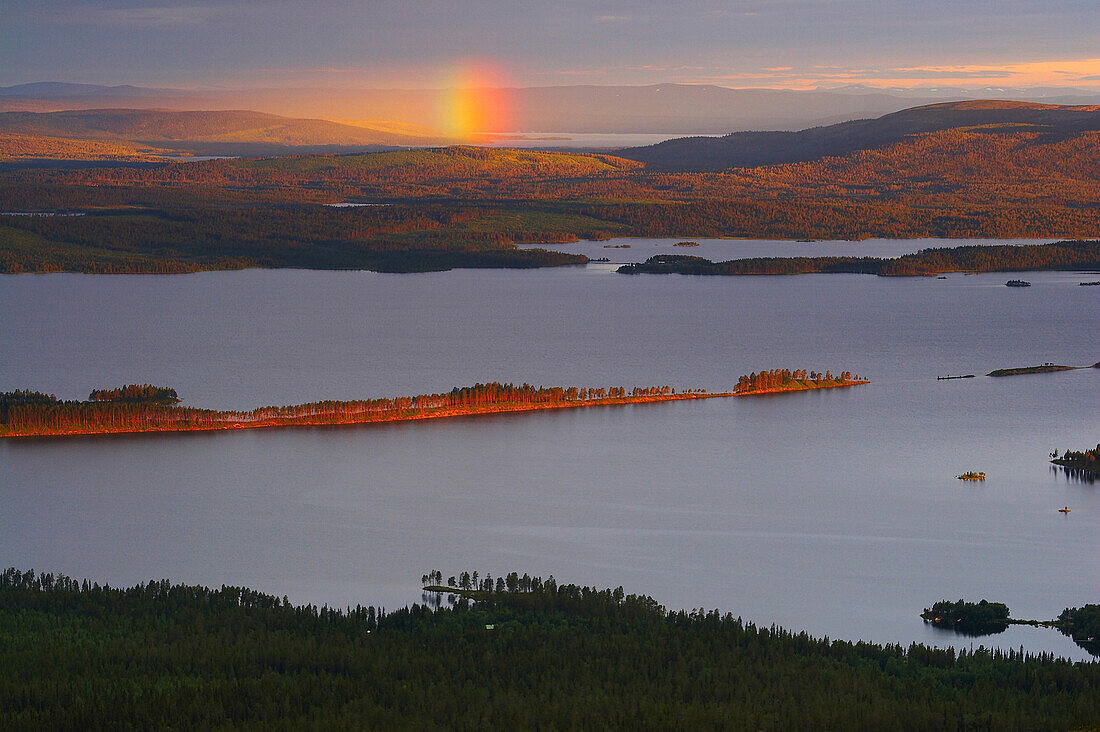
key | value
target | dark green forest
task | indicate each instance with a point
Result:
(968, 618)
(172, 240)
(519, 652)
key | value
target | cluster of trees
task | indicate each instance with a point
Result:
(1088, 460)
(135, 393)
(780, 379)
(968, 618)
(482, 584)
(138, 408)
(159, 655)
(1063, 255)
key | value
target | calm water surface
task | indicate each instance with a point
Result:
(836, 512)
(622, 250)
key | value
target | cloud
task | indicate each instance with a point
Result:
(1027, 74)
(572, 72)
(154, 15)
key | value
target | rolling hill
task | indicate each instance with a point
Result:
(183, 128)
(752, 149)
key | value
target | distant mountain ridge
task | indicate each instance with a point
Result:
(65, 90)
(753, 149)
(672, 109)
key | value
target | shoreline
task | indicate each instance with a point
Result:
(427, 414)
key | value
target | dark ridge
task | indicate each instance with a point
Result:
(753, 149)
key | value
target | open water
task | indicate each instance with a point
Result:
(836, 512)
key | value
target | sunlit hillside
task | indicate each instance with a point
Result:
(20, 147)
(160, 126)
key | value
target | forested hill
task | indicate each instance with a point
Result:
(160, 126)
(750, 149)
(528, 653)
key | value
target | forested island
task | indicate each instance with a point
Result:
(970, 618)
(527, 652)
(146, 408)
(1063, 255)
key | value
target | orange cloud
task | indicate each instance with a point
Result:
(1071, 72)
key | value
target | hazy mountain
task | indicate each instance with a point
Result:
(748, 149)
(673, 109)
(60, 90)
(162, 127)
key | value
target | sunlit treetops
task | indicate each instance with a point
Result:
(788, 380)
(145, 408)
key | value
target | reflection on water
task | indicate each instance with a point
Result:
(623, 250)
(1074, 475)
(970, 632)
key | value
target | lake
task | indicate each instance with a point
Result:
(836, 512)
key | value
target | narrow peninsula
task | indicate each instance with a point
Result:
(145, 408)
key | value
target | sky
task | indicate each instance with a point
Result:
(788, 44)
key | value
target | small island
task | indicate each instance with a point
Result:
(144, 408)
(972, 475)
(968, 618)
(1017, 283)
(1045, 368)
(686, 244)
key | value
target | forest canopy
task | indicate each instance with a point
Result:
(526, 652)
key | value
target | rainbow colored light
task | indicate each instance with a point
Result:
(472, 102)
